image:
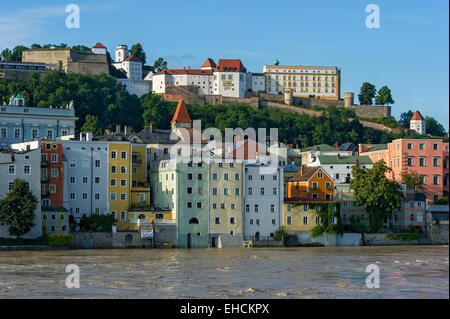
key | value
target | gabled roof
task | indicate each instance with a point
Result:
(375, 147)
(417, 117)
(304, 174)
(230, 65)
(181, 114)
(155, 136)
(132, 58)
(209, 63)
(334, 159)
(349, 146)
(99, 45)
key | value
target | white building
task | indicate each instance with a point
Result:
(339, 168)
(304, 81)
(129, 63)
(228, 78)
(99, 48)
(24, 164)
(417, 123)
(121, 53)
(263, 194)
(85, 177)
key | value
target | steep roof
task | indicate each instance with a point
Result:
(334, 159)
(304, 173)
(209, 63)
(375, 147)
(417, 117)
(99, 45)
(156, 136)
(230, 65)
(132, 58)
(181, 114)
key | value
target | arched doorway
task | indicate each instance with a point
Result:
(193, 220)
(257, 236)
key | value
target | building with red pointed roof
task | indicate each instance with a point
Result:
(228, 78)
(99, 48)
(181, 117)
(417, 123)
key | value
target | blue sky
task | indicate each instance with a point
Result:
(409, 52)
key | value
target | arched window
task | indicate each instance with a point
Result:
(142, 216)
(193, 220)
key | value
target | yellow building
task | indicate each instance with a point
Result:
(303, 215)
(304, 81)
(143, 217)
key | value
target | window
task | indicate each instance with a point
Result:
(247, 208)
(72, 196)
(189, 204)
(123, 182)
(273, 223)
(315, 185)
(315, 195)
(421, 161)
(409, 161)
(237, 176)
(12, 170)
(256, 208)
(435, 198)
(214, 176)
(250, 177)
(214, 191)
(305, 220)
(237, 191)
(317, 220)
(97, 196)
(436, 179)
(200, 177)
(199, 204)
(275, 191)
(436, 161)
(327, 196)
(123, 196)
(113, 196)
(421, 146)
(113, 169)
(435, 146)
(250, 191)
(72, 163)
(289, 208)
(54, 158)
(233, 206)
(97, 163)
(217, 220)
(251, 221)
(272, 208)
(72, 180)
(320, 175)
(200, 190)
(225, 176)
(262, 177)
(85, 179)
(17, 133)
(26, 170)
(274, 177)
(289, 220)
(409, 146)
(257, 222)
(189, 190)
(54, 172)
(262, 191)
(305, 208)
(232, 221)
(123, 215)
(123, 169)
(113, 154)
(97, 180)
(123, 155)
(84, 196)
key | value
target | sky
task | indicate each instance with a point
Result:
(409, 52)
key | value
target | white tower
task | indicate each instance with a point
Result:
(417, 123)
(121, 53)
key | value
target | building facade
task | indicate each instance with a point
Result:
(428, 157)
(19, 123)
(311, 183)
(24, 164)
(304, 81)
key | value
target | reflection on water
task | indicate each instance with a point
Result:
(322, 272)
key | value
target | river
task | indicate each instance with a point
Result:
(307, 272)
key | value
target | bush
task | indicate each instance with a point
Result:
(97, 223)
(280, 234)
(43, 240)
(60, 240)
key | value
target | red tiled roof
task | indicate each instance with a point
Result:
(184, 71)
(132, 58)
(417, 117)
(209, 63)
(304, 173)
(99, 45)
(230, 65)
(181, 114)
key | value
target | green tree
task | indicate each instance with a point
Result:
(92, 124)
(138, 52)
(367, 93)
(358, 226)
(35, 46)
(155, 111)
(433, 127)
(81, 48)
(17, 208)
(412, 180)
(159, 65)
(6, 54)
(405, 117)
(380, 196)
(384, 96)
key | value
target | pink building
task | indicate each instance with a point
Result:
(428, 157)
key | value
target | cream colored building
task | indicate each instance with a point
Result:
(305, 81)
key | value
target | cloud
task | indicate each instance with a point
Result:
(26, 23)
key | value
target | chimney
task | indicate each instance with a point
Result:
(339, 155)
(318, 148)
(151, 127)
(189, 67)
(336, 146)
(125, 130)
(296, 146)
(117, 128)
(357, 163)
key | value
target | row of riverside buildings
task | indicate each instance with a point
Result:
(246, 191)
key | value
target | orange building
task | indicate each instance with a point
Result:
(310, 183)
(52, 173)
